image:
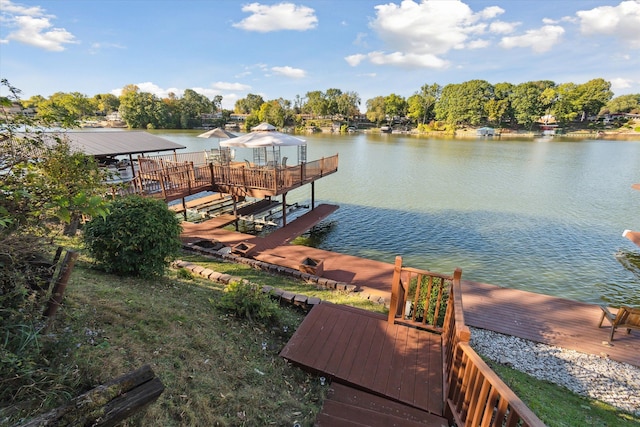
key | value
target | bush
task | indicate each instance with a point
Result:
(248, 302)
(139, 237)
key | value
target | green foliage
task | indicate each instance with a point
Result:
(139, 237)
(43, 178)
(427, 302)
(248, 302)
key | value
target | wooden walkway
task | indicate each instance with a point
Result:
(361, 349)
(541, 318)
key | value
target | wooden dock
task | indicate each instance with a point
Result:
(540, 318)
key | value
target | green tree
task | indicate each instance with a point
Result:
(623, 104)
(42, 178)
(106, 103)
(192, 105)
(420, 104)
(348, 104)
(72, 107)
(376, 110)
(142, 109)
(316, 104)
(567, 106)
(251, 103)
(530, 101)
(592, 96)
(275, 112)
(395, 106)
(464, 103)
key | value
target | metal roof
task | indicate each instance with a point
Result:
(114, 143)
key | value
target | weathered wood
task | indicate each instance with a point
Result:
(106, 405)
(626, 318)
(60, 285)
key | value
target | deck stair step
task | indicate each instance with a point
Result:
(350, 407)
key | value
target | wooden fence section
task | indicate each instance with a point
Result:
(419, 298)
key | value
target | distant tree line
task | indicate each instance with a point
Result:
(471, 103)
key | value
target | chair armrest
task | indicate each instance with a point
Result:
(606, 313)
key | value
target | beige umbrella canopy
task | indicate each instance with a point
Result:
(217, 133)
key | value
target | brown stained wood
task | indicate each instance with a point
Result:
(358, 398)
(361, 348)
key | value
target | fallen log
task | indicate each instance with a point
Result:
(106, 405)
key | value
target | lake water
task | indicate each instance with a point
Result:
(540, 215)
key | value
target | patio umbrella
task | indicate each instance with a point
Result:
(217, 133)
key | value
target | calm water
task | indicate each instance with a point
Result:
(545, 216)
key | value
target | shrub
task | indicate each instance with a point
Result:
(248, 302)
(139, 237)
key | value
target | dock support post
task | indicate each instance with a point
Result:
(313, 195)
(235, 210)
(284, 209)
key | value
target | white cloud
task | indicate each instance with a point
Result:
(491, 12)
(419, 34)
(501, 27)
(97, 47)
(31, 26)
(230, 86)
(621, 83)
(282, 16)
(355, 60)
(287, 71)
(479, 44)
(425, 60)
(622, 21)
(540, 40)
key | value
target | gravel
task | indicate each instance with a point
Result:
(615, 383)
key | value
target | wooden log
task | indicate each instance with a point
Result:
(108, 404)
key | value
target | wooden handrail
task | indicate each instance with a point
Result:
(478, 397)
(474, 395)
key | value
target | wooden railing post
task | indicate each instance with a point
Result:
(396, 298)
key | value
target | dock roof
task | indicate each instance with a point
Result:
(111, 143)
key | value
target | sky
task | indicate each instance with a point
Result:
(285, 49)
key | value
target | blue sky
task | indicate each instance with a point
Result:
(284, 49)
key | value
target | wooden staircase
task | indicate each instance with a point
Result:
(348, 407)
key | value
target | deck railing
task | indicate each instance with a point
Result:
(171, 179)
(419, 297)
(474, 394)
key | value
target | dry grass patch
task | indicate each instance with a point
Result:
(212, 364)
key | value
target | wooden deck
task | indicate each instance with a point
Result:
(362, 350)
